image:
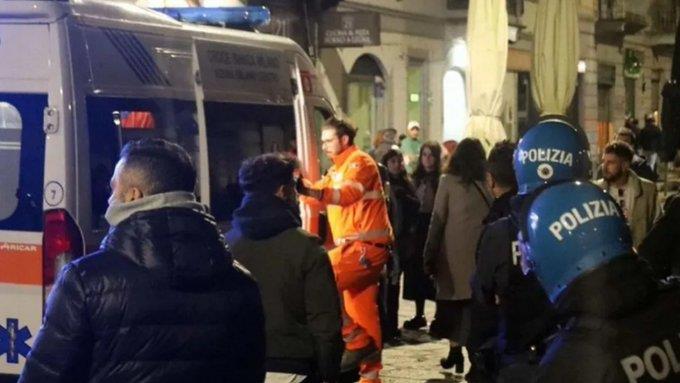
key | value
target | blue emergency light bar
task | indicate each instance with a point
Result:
(234, 17)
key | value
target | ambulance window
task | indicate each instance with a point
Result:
(22, 154)
(320, 116)
(236, 132)
(115, 121)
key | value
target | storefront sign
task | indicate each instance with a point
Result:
(350, 29)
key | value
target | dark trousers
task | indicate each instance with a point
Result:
(388, 300)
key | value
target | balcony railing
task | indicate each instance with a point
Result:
(612, 10)
(515, 7)
(664, 17)
(664, 21)
(618, 18)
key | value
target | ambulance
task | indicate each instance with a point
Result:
(79, 79)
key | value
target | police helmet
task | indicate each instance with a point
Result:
(568, 229)
(553, 150)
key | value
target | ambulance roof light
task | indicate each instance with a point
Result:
(233, 17)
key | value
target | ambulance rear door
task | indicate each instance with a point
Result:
(24, 100)
(245, 96)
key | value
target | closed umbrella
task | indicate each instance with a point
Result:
(556, 54)
(487, 36)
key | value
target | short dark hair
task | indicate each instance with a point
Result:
(163, 166)
(499, 164)
(620, 149)
(342, 128)
(468, 161)
(266, 173)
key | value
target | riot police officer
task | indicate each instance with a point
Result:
(552, 150)
(620, 325)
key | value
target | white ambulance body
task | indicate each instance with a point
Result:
(78, 80)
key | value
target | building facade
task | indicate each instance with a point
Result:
(625, 51)
(411, 66)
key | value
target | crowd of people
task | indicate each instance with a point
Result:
(542, 273)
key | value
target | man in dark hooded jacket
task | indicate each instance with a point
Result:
(161, 301)
(301, 301)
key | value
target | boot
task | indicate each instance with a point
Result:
(415, 323)
(455, 358)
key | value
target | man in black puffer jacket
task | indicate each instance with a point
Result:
(161, 301)
(301, 301)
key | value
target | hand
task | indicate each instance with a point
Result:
(302, 186)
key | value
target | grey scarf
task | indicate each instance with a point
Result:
(118, 212)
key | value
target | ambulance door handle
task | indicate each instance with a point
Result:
(197, 77)
(50, 120)
(294, 86)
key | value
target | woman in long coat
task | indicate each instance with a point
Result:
(461, 203)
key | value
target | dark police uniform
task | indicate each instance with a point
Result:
(525, 312)
(621, 327)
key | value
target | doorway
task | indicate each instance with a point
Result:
(366, 99)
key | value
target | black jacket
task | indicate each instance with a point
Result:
(160, 302)
(500, 207)
(640, 167)
(525, 316)
(650, 138)
(301, 302)
(484, 312)
(621, 327)
(661, 247)
(403, 211)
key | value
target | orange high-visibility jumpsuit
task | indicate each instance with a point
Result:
(357, 214)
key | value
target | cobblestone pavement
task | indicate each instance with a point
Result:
(417, 360)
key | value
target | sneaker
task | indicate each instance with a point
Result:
(352, 358)
(415, 323)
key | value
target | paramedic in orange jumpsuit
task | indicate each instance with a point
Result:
(353, 195)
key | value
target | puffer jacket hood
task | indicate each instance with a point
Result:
(183, 243)
(263, 216)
